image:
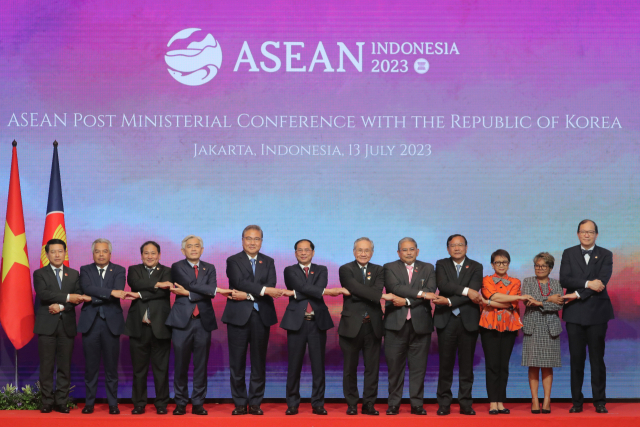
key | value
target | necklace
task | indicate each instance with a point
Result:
(548, 286)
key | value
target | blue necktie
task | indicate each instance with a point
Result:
(101, 309)
(253, 267)
(456, 311)
(58, 277)
(364, 280)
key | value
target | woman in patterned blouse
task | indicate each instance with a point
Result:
(499, 325)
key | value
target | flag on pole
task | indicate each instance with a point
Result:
(16, 297)
(54, 227)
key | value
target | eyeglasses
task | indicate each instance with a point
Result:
(405, 250)
(501, 263)
(304, 250)
(587, 232)
(363, 251)
(253, 239)
(457, 245)
(541, 267)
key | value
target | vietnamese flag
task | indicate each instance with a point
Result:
(54, 227)
(16, 298)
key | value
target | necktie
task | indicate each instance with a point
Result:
(146, 318)
(253, 267)
(410, 271)
(195, 310)
(58, 277)
(456, 311)
(306, 273)
(364, 280)
(101, 309)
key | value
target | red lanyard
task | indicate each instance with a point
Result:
(540, 287)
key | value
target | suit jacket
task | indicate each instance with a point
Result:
(156, 300)
(241, 277)
(541, 317)
(365, 298)
(396, 281)
(114, 279)
(202, 290)
(308, 290)
(49, 292)
(593, 307)
(451, 286)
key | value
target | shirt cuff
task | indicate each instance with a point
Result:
(449, 302)
(67, 299)
(250, 297)
(264, 288)
(140, 295)
(190, 295)
(294, 295)
(408, 302)
(61, 307)
(465, 291)
(323, 292)
(578, 294)
(419, 293)
(586, 284)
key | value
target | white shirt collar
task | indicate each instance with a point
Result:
(460, 264)
(409, 265)
(363, 266)
(104, 268)
(252, 257)
(192, 264)
(56, 268)
(587, 249)
(304, 266)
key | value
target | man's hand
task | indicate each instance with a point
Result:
(333, 292)
(287, 293)
(118, 294)
(75, 298)
(440, 300)
(225, 292)
(86, 298)
(179, 290)
(596, 285)
(274, 292)
(345, 291)
(388, 297)
(132, 295)
(238, 295)
(556, 299)
(399, 301)
(428, 295)
(474, 296)
(164, 285)
(570, 297)
(54, 308)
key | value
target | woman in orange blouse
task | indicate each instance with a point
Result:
(499, 325)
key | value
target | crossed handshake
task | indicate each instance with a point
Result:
(275, 293)
(400, 301)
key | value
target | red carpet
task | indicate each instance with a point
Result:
(625, 414)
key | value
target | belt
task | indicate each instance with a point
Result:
(309, 317)
(195, 317)
(366, 319)
(146, 324)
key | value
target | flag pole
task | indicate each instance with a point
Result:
(16, 365)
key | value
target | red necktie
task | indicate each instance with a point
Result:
(306, 273)
(195, 310)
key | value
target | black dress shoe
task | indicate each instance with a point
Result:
(575, 409)
(601, 409)
(319, 410)
(239, 410)
(444, 410)
(352, 410)
(87, 410)
(161, 411)
(292, 410)
(535, 411)
(45, 409)
(368, 409)
(546, 411)
(63, 409)
(418, 410)
(393, 410)
(198, 410)
(113, 410)
(255, 410)
(138, 410)
(493, 412)
(504, 411)
(180, 410)
(467, 411)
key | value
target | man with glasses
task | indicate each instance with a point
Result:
(361, 326)
(249, 315)
(456, 319)
(306, 320)
(585, 271)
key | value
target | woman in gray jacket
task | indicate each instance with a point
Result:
(542, 328)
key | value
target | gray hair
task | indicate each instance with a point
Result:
(189, 237)
(546, 257)
(407, 239)
(93, 245)
(253, 227)
(362, 239)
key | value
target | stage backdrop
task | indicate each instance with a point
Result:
(505, 121)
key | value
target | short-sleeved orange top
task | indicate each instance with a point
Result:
(500, 319)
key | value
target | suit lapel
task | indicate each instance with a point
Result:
(594, 258)
(357, 270)
(417, 271)
(65, 280)
(463, 270)
(108, 273)
(579, 258)
(51, 278)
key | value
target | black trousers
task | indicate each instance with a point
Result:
(367, 342)
(144, 350)
(297, 342)
(55, 349)
(402, 346)
(193, 339)
(497, 348)
(100, 343)
(581, 337)
(253, 334)
(455, 339)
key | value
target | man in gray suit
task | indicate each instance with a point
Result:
(410, 285)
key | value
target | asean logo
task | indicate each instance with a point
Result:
(198, 63)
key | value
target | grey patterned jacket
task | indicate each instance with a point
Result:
(545, 316)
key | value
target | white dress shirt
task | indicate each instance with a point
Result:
(587, 257)
(61, 268)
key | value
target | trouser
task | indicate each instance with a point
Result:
(297, 341)
(193, 339)
(497, 348)
(144, 350)
(367, 342)
(99, 343)
(55, 350)
(581, 337)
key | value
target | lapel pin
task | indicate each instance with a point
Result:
(467, 266)
(203, 268)
(369, 278)
(415, 269)
(312, 272)
(259, 262)
(66, 274)
(596, 257)
(111, 269)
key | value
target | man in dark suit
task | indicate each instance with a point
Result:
(249, 315)
(410, 284)
(149, 337)
(101, 323)
(585, 271)
(361, 326)
(58, 291)
(456, 319)
(306, 320)
(192, 319)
